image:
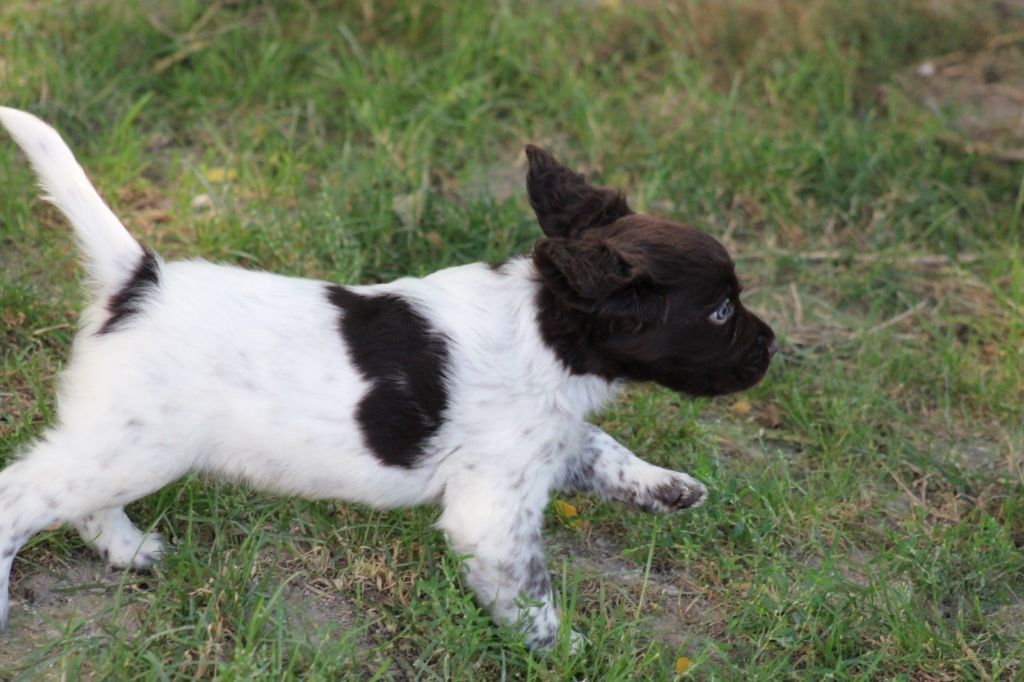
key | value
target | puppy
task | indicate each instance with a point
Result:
(468, 388)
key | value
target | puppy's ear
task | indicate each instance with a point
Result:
(564, 202)
(594, 277)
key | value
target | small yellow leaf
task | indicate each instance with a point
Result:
(741, 407)
(220, 174)
(565, 510)
(569, 514)
(682, 665)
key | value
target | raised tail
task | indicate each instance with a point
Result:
(111, 254)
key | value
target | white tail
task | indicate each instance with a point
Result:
(111, 253)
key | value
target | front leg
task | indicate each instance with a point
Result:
(496, 525)
(605, 467)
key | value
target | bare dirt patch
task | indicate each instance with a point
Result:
(1009, 620)
(982, 94)
(315, 615)
(677, 610)
(80, 598)
(51, 601)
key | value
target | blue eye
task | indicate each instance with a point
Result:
(722, 313)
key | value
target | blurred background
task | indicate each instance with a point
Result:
(861, 159)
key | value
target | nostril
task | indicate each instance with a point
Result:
(771, 347)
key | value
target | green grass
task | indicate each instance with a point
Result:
(866, 518)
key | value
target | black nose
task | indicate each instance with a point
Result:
(772, 347)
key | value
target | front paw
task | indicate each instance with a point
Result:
(675, 493)
(577, 642)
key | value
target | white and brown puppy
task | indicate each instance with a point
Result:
(468, 388)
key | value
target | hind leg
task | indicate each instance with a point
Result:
(116, 539)
(68, 477)
(27, 504)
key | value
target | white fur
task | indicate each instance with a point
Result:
(109, 251)
(245, 375)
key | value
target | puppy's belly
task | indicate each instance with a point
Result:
(299, 437)
(321, 470)
(282, 442)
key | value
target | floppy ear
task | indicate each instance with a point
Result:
(564, 202)
(592, 276)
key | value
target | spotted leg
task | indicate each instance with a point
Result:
(498, 531)
(605, 467)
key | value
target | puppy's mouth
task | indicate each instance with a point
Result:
(747, 372)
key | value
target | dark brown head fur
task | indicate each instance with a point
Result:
(637, 297)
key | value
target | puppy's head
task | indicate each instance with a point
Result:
(646, 299)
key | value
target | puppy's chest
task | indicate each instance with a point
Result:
(494, 419)
(504, 432)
